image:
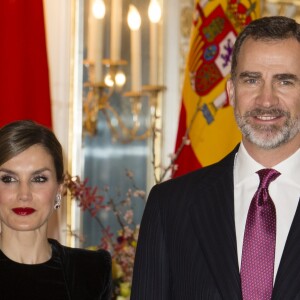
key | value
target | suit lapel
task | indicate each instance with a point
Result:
(212, 216)
(287, 283)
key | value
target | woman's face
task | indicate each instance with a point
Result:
(28, 189)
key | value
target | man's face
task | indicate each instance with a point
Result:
(266, 92)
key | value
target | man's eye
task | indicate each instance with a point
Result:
(251, 80)
(7, 179)
(40, 179)
(286, 82)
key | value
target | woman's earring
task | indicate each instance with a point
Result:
(57, 201)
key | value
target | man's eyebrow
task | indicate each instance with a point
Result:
(247, 74)
(286, 76)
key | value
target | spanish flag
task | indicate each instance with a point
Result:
(207, 130)
(24, 75)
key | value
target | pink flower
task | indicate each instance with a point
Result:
(128, 216)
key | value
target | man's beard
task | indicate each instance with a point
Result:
(268, 136)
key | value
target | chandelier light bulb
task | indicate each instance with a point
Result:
(98, 9)
(108, 80)
(133, 18)
(154, 11)
(120, 79)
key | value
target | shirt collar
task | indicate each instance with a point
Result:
(244, 165)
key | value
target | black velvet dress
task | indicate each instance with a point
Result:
(22, 281)
(51, 280)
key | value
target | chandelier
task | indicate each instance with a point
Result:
(99, 88)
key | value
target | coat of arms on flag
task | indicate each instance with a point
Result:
(206, 114)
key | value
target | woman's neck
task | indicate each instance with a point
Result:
(25, 247)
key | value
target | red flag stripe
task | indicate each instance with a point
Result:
(187, 160)
(24, 77)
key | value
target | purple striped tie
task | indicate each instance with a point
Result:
(257, 267)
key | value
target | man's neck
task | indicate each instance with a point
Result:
(271, 157)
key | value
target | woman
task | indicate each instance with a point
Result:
(31, 185)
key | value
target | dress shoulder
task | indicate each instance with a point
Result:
(86, 271)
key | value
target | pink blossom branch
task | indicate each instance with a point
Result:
(184, 142)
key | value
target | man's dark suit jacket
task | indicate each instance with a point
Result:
(187, 246)
(87, 273)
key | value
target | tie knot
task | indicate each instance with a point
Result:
(266, 176)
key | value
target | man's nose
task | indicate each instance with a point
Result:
(267, 96)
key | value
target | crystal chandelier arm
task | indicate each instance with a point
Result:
(121, 132)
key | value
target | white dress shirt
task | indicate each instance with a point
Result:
(284, 191)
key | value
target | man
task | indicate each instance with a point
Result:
(195, 238)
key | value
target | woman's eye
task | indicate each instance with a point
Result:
(7, 179)
(40, 179)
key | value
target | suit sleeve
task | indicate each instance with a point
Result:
(151, 267)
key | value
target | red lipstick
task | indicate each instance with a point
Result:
(23, 211)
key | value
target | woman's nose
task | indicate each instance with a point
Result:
(24, 192)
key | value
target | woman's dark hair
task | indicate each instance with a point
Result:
(267, 29)
(18, 136)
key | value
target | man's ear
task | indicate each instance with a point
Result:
(230, 91)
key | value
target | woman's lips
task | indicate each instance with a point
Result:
(23, 211)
